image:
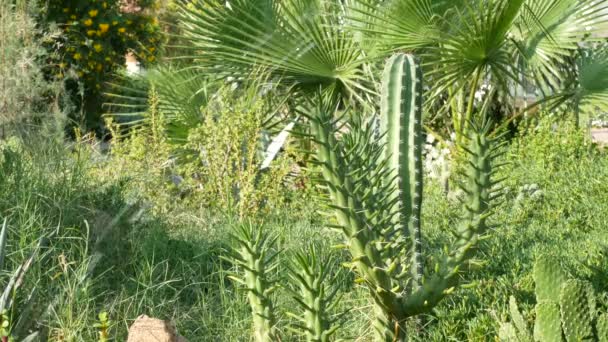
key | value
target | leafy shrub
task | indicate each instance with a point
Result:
(96, 37)
(217, 166)
(228, 150)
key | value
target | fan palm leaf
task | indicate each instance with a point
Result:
(549, 31)
(182, 96)
(591, 92)
(475, 46)
(302, 42)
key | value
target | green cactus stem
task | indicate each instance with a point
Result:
(375, 192)
(255, 256)
(576, 314)
(309, 273)
(548, 279)
(401, 120)
(548, 325)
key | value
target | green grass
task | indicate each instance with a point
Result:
(113, 253)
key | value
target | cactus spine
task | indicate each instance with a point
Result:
(401, 120)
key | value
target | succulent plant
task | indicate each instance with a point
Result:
(316, 297)
(375, 192)
(401, 120)
(565, 309)
(254, 254)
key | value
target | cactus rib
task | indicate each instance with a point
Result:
(401, 119)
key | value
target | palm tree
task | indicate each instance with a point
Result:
(334, 44)
(304, 43)
(504, 44)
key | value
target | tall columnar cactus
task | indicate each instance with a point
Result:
(565, 309)
(255, 256)
(375, 191)
(401, 120)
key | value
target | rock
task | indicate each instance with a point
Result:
(600, 136)
(146, 329)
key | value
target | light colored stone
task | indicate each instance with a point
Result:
(146, 329)
(600, 135)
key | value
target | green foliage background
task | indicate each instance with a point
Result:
(95, 37)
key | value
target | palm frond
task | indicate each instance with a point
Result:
(592, 92)
(302, 42)
(400, 24)
(182, 96)
(549, 31)
(475, 45)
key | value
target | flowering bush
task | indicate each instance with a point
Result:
(97, 34)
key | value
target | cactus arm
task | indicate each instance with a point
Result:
(347, 207)
(477, 186)
(401, 120)
(308, 273)
(548, 279)
(358, 212)
(523, 331)
(507, 333)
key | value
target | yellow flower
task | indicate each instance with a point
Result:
(98, 47)
(122, 30)
(105, 4)
(88, 22)
(114, 23)
(80, 74)
(77, 56)
(73, 17)
(151, 48)
(62, 65)
(108, 59)
(151, 59)
(93, 13)
(91, 33)
(104, 28)
(98, 67)
(66, 10)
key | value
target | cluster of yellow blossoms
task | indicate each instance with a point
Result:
(97, 36)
